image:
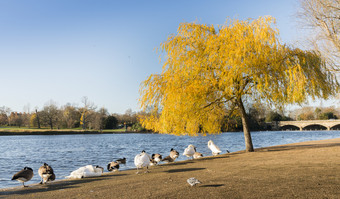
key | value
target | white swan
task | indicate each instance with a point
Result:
(189, 151)
(86, 171)
(214, 149)
(142, 160)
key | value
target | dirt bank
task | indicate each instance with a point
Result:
(302, 170)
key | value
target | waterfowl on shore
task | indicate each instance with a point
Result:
(46, 173)
(113, 166)
(155, 159)
(197, 155)
(121, 161)
(24, 175)
(215, 150)
(142, 160)
(172, 157)
(86, 171)
(189, 151)
(193, 181)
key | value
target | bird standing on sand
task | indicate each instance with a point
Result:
(113, 166)
(197, 155)
(189, 151)
(193, 181)
(214, 149)
(172, 157)
(142, 160)
(46, 173)
(24, 175)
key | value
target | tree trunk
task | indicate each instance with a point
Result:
(51, 123)
(36, 112)
(245, 124)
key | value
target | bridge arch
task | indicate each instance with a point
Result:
(314, 127)
(335, 127)
(289, 127)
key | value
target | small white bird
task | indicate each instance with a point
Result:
(189, 151)
(193, 181)
(142, 160)
(214, 149)
(86, 171)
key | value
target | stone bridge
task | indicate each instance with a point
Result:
(310, 124)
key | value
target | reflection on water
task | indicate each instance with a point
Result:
(66, 153)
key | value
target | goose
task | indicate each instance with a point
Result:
(197, 155)
(142, 160)
(86, 171)
(121, 161)
(24, 175)
(113, 166)
(155, 159)
(46, 173)
(172, 157)
(214, 149)
(189, 151)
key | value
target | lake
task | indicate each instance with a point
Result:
(66, 153)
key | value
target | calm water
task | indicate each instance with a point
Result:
(66, 153)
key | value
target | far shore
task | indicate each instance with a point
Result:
(62, 132)
(300, 170)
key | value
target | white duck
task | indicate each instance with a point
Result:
(86, 171)
(142, 160)
(214, 149)
(189, 151)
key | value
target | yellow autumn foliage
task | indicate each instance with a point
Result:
(207, 70)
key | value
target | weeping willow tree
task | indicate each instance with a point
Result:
(210, 70)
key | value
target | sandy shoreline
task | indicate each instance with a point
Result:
(300, 170)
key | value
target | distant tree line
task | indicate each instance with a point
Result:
(87, 116)
(69, 116)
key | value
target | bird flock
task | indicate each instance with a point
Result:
(141, 161)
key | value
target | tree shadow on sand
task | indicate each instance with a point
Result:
(212, 185)
(184, 170)
(297, 146)
(176, 163)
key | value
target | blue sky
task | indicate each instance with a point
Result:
(62, 50)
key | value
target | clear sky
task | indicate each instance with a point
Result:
(62, 50)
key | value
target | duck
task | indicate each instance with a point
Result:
(172, 157)
(113, 166)
(215, 150)
(24, 175)
(189, 151)
(46, 173)
(121, 161)
(142, 160)
(197, 155)
(86, 171)
(155, 159)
